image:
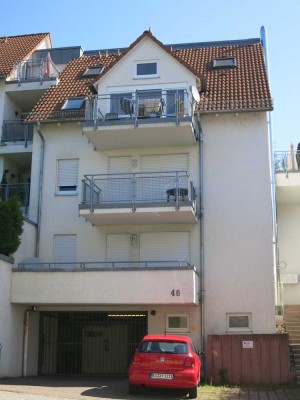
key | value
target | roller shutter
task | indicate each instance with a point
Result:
(165, 246)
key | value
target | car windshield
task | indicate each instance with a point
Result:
(170, 347)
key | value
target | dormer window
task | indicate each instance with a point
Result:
(75, 103)
(224, 63)
(146, 69)
(91, 72)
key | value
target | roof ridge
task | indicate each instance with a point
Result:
(27, 34)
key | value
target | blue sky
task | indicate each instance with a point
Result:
(95, 24)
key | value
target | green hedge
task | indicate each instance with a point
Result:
(11, 225)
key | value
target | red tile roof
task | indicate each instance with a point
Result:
(17, 48)
(242, 88)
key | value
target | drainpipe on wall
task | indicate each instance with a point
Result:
(40, 190)
(25, 339)
(263, 38)
(201, 224)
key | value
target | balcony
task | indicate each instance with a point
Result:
(29, 80)
(139, 198)
(17, 132)
(287, 177)
(95, 283)
(20, 190)
(148, 118)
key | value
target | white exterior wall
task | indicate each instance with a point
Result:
(289, 239)
(57, 209)
(26, 249)
(238, 251)
(11, 327)
(170, 72)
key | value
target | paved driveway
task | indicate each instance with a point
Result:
(116, 389)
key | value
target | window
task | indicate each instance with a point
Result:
(118, 103)
(177, 323)
(76, 103)
(224, 63)
(67, 176)
(146, 70)
(64, 250)
(239, 322)
(91, 72)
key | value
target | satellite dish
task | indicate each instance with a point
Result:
(195, 94)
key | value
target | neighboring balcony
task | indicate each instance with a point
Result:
(148, 118)
(17, 132)
(34, 70)
(287, 169)
(19, 190)
(139, 198)
(146, 282)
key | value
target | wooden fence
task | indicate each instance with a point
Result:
(248, 359)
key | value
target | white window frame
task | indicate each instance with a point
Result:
(66, 192)
(239, 329)
(136, 63)
(170, 329)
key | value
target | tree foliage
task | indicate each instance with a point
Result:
(11, 225)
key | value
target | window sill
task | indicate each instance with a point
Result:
(66, 194)
(146, 76)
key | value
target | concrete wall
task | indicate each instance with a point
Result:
(11, 326)
(238, 250)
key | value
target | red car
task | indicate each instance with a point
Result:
(165, 361)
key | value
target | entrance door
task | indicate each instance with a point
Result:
(104, 349)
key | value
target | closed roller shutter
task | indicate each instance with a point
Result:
(67, 175)
(118, 247)
(154, 187)
(64, 249)
(118, 188)
(165, 246)
(165, 162)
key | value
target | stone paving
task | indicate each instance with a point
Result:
(116, 389)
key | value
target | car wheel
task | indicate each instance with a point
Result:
(193, 392)
(133, 389)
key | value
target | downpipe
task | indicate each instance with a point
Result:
(40, 190)
(25, 339)
(201, 227)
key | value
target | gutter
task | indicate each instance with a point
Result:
(40, 190)
(25, 339)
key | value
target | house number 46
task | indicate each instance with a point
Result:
(175, 292)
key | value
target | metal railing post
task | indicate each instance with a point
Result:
(177, 191)
(177, 107)
(41, 70)
(95, 100)
(92, 195)
(83, 192)
(133, 192)
(135, 110)
(25, 135)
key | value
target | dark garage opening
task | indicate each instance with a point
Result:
(91, 343)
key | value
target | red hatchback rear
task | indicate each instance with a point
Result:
(165, 361)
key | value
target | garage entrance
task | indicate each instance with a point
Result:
(89, 342)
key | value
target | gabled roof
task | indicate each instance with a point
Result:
(17, 48)
(242, 88)
(160, 44)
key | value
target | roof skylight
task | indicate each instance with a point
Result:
(93, 71)
(75, 103)
(224, 63)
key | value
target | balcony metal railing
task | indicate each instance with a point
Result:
(17, 131)
(131, 190)
(286, 161)
(106, 265)
(20, 190)
(126, 108)
(32, 70)
(139, 105)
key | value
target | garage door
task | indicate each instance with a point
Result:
(165, 246)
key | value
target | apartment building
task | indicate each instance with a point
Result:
(287, 165)
(150, 204)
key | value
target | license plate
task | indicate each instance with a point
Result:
(161, 376)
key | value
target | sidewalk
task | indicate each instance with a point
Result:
(100, 388)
